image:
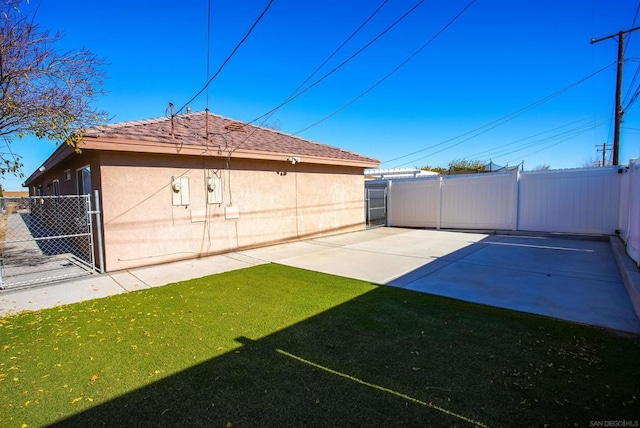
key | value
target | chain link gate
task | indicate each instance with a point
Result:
(45, 238)
(376, 207)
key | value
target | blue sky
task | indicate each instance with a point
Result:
(497, 58)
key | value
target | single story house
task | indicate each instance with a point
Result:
(198, 184)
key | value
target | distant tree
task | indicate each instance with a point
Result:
(543, 167)
(464, 166)
(590, 162)
(437, 169)
(461, 166)
(44, 91)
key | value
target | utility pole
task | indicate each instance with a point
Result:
(604, 151)
(618, 106)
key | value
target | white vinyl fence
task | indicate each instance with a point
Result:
(629, 218)
(457, 202)
(572, 201)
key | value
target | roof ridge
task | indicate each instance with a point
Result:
(132, 123)
(286, 134)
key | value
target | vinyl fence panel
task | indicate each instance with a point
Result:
(414, 203)
(588, 200)
(482, 201)
(623, 212)
(633, 233)
(573, 201)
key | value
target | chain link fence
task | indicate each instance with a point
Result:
(45, 238)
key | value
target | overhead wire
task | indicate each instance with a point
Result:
(343, 63)
(402, 64)
(571, 133)
(494, 124)
(323, 63)
(633, 24)
(297, 93)
(561, 141)
(637, 72)
(630, 88)
(497, 150)
(347, 40)
(208, 49)
(224, 63)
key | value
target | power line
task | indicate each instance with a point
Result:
(402, 64)
(356, 31)
(499, 150)
(208, 47)
(228, 57)
(559, 142)
(618, 104)
(635, 75)
(494, 124)
(358, 52)
(351, 36)
(630, 88)
(633, 24)
(296, 93)
(572, 133)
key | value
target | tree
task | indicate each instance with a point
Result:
(466, 166)
(461, 166)
(44, 91)
(542, 167)
(590, 161)
(438, 169)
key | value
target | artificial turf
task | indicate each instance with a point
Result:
(277, 346)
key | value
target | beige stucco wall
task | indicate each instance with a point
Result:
(277, 202)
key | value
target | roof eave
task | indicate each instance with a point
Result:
(140, 146)
(61, 153)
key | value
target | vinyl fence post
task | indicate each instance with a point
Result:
(516, 212)
(439, 220)
(98, 211)
(389, 214)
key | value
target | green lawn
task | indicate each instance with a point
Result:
(278, 346)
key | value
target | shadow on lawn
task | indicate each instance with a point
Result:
(449, 355)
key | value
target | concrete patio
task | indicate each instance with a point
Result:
(562, 277)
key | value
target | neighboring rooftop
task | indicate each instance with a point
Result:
(398, 173)
(15, 193)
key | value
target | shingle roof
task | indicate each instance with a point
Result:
(225, 135)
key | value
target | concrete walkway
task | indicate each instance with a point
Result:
(571, 279)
